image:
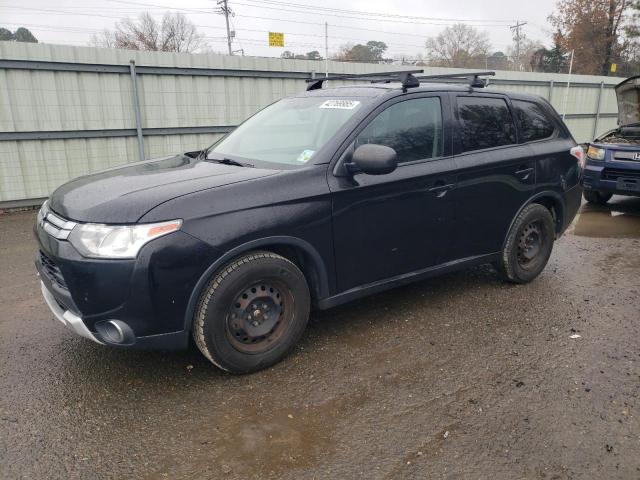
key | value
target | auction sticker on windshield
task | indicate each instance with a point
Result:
(341, 104)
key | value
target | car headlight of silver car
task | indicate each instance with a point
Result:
(117, 241)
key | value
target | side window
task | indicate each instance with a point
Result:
(485, 123)
(533, 121)
(413, 128)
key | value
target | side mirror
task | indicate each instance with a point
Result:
(373, 159)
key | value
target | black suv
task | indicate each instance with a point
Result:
(316, 200)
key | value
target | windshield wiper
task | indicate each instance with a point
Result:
(228, 161)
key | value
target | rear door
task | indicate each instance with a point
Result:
(496, 175)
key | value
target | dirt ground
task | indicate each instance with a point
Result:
(460, 376)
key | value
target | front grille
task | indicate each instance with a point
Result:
(615, 173)
(626, 156)
(53, 224)
(52, 271)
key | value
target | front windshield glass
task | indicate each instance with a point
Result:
(287, 132)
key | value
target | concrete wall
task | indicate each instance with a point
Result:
(58, 124)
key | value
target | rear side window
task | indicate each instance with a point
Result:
(413, 128)
(485, 123)
(533, 121)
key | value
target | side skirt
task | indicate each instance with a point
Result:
(399, 280)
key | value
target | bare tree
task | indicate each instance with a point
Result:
(459, 45)
(523, 57)
(175, 33)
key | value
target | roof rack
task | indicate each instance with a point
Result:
(405, 77)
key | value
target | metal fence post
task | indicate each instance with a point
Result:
(136, 108)
(595, 121)
(550, 96)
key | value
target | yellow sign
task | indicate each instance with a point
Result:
(276, 39)
(614, 67)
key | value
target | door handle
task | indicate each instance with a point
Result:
(524, 172)
(440, 189)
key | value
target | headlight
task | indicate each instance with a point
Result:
(117, 241)
(596, 153)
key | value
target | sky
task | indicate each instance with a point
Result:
(403, 25)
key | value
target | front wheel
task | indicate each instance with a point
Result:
(599, 198)
(252, 312)
(528, 246)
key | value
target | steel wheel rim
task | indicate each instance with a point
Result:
(531, 244)
(259, 315)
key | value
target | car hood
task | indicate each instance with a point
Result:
(628, 95)
(125, 194)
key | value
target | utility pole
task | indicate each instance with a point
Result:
(517, 36)
(566, 92)
(326, 49)
(226, 11)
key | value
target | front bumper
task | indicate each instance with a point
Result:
(615, 177)
(149, 294)
(67, 317)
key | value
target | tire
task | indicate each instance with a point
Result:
(252, 312)
(598, 198)
(528, 245)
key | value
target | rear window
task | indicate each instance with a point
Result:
(533, 121)
(485, 123)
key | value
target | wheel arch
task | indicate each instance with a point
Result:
(553, 201)
(300, 252)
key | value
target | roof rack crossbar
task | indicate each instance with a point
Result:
(405, 77)
(316, 83)
(457, 75)
(473, 78)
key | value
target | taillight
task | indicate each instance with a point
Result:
(578, 152)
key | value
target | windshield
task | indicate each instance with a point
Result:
(288, 132)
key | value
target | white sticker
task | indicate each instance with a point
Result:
(305, 156)
(341, 104)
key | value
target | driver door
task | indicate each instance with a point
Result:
(385, 226)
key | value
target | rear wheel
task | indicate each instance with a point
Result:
(528, 246)
(252, 312)
(599, 198)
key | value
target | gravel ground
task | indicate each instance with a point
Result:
(460, 376)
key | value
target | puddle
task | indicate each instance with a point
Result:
(258, 442)
(618, 219)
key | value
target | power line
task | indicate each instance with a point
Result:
(308, 8)
(368, 13)
(272, 6)
(369, 19)
(231, 34)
